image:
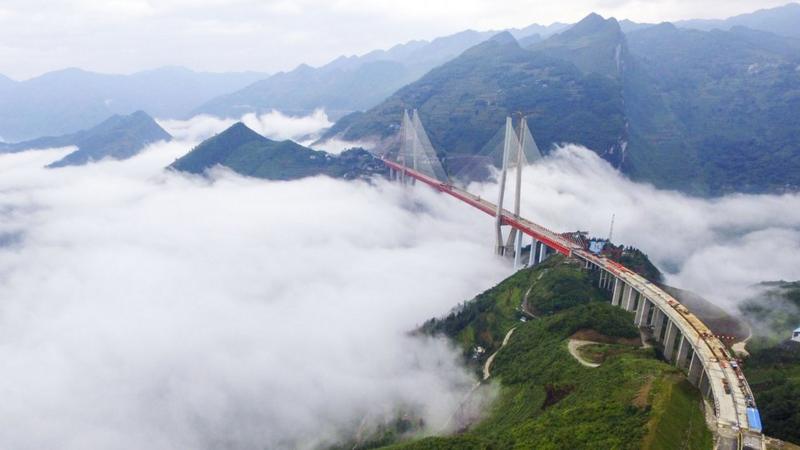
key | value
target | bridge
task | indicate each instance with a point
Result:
(686, 341)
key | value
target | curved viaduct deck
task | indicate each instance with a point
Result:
(687, 342)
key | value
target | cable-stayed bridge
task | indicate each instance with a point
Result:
(686, 341)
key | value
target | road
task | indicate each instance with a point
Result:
(490, 360)
(574, 345)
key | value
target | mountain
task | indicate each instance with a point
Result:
(713, 112)
(627, 25)
(704, 112)
(69, 100)
(783, 20)
(535, 29)
(465, 101)
(248, 153)
(345, 84)
(118, 137)
(545, 396)
(594, 45)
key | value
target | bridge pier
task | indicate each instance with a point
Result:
(532, 253)
(517, 250)
(629, 300)
(669, 341)
(683, 351)
(643, 312)
(695, 370)
(659, 322)
(616, 293)
(543, 249)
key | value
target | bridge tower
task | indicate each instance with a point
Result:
(513, 158)
(413, 152)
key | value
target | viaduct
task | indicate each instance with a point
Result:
(686, 341)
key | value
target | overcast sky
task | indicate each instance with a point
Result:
(122, 36)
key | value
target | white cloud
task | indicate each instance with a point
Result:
(716, 247)
(146, 309)
(337, 146)
(196, 129)
(274, 125)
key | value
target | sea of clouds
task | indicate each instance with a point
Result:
(141, 308)
(718, 247)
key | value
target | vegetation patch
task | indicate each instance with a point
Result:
(642, 399)
(773, 368)
(677, 421)
(599, 353)
(555, 393)
(547, 399)
(594, 336)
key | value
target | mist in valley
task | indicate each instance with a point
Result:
(143, 308)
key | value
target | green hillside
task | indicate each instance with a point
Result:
(464, 102)
(248, 153)
(547, 399)
(713, 112)
(773, 368)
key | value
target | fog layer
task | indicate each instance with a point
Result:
(715, 247)
(146, 309)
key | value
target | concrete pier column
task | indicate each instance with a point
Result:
(695, 370)
(658, 324)
(643, 312)
(683, 351)
(542, 252)
(616, 293)
(626, 294)
(701, 378)
(517, 250)
(532, 254)
(629, 301)
(669, 340)
(650, 315)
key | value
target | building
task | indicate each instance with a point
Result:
(796, 335)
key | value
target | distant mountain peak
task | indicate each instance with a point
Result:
(504, 37)
(594, 45)
(241, 131)
(500, 43)
(593, 24)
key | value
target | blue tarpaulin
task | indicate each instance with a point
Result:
(754, 419)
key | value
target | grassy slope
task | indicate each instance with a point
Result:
(547, 399)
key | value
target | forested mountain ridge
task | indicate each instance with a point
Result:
(701, 112)
(465, 101)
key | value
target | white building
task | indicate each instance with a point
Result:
(796, 335)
